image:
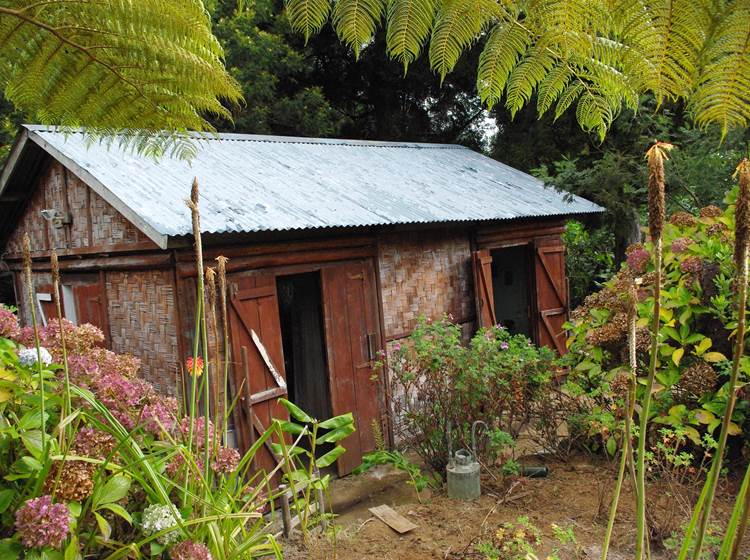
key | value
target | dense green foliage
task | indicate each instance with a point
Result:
(698, 318)
(595, 56)
(126, 470)
(112, 65)
(436, 382)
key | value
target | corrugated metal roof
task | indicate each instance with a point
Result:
(259, 183)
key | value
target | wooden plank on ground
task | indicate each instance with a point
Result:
(394, 520)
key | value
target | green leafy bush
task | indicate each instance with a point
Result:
(126, 474)
(436, 381)
(698, 320)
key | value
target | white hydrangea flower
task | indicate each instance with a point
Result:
(156, 518)
(28, 356)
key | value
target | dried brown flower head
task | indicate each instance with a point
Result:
(695, 381)
(656, 155)
(682, 219)
(70, 481)
(710, 211)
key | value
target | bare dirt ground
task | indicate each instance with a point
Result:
(574, 494)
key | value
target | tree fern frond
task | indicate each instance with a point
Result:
(593, 112)
(409, 23)
(567, 98)
(723, 92)
(551, 87)
(307, 16)
(526, 76)
(113, 65)
(458, 24)
(678, 33)
(355, 21)
(507, 42)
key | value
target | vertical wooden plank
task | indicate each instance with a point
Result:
(483, 288)
(349, 319)
(551, 292)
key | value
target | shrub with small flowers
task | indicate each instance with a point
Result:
(189, 550)
(698, 317)
(436, 379)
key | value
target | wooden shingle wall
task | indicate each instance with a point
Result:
(424, 273)
(143, 322)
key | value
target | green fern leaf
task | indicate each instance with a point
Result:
(723, 92)
(409, 23)
(457, 26)
(307, 16)
(507, 42)
(552, 87)
(526, 76)
(355, 21)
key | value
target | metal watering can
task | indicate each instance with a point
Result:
(463, 468)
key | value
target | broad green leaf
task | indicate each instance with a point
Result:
(30, 464)
(692, 434)
(733, 429)
(336, 435)
(296, 412)
(71, 551)
(278, 450)
(291, 427)
(75, 509)
(117, 509)
(611, 446)
(677, 356)
(704, 345)
(104, 527)
(10, 550)
(32, 419)
(32, 441)
(714, 357)
(116, 488)
(704, 416)
(329, 458)
(337, 421)
(6, 497)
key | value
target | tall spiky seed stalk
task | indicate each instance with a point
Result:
(741, 240)
(214, 329)
(194, 205)
(222, 267)
(35, 327)
(67, 407)
(656, 157)
(627, 447)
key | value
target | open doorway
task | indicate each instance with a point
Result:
(303, 341)
(511, 288)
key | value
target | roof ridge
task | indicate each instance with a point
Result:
(279, 139)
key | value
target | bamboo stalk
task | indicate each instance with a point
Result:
(222, 268)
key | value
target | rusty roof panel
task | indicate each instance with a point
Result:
(263, 183)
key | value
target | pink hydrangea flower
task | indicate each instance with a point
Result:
(176, 467)
(680, 244)
(199, 431)
(227, 460)
(8, 323)
(638, 259)
(41, 523)
(189, 550)
(504, 345)
(159, 415)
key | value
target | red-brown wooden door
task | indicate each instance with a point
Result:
(483, 288)
(352, 341)
(258, 360)
(89, 302)
(551, 292)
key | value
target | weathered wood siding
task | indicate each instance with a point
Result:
(95, 223)
(425, 273)
(140, 302)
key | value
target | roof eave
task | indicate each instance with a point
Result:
(162, 240)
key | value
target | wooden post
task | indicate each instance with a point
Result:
(250, 426)
(286, 515)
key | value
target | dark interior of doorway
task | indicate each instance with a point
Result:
(510, 283)
(303, 340)
(7, 290)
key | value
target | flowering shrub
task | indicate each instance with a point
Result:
(121, 473)
(698, 319)
(436, 380)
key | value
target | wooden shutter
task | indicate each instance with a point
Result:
(551, 293)
(352, 340)
(483, 290)
(257, 359)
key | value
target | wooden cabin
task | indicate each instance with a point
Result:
(336, 248)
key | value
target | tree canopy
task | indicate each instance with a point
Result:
(595, 55)
(110, 65)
